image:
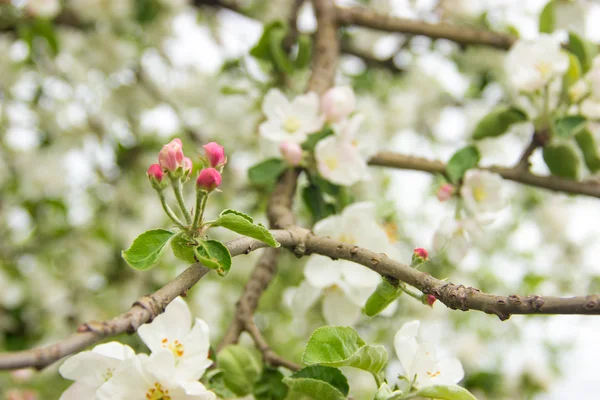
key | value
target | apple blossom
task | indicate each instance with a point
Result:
(452, 238)
(532, 64)
(346, 285)
(291, 153)
(338, 103)
(91, 369)
(171, 156)
(290, 121)
(483, 195)
(43, 8)
(419, 360)
(208, 180)
(215, 154)
(339, 161)
(172, 331)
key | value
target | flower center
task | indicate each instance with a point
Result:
(157, 393)
(347, 238)
(292, 124)
(108, 374)
(479, 194)
(544, 68)
(391, 231)
(433, 374)
(175, 346)
(331, 163)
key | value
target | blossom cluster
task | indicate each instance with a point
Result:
(178, 359)
(341, 157)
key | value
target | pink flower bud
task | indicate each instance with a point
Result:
(215, 154)
(156, 176)
(22, 375)
(337, 103)
(291, 152)
(170, 157)
(187, 166)
(419, 256)
(209, 179)
(429, 299)
(421, 252)
(445, 192)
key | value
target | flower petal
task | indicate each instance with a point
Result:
(173, 324)
(322, 272)
(275, 105)
(339, 310)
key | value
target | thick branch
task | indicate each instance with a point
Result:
(516, 174)
(327, 47)
(464, 36)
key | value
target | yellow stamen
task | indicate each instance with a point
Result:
(158, 393)
(292, 124)
(331, 163)
(479, 194)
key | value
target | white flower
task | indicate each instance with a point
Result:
(91, 369)
(153, 377)
(530, 65)
(419, 360)
(43, 8)
(338, 103)
(483, 195)
(453, 239)
(290, 121)
(173, 331)
(339, 158)
(344, 284)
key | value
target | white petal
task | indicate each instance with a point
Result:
(451, 371)
(195, 360)
(78, 391)
(406, 351)
(198, 390)
(275, 105)
(339, 310)
(304, 297)
(161, 364)
(329, 226)
(322, 272)
(306, 107)
(339, 162)
(359, 275)
(114, 350)
(128, 382)
(88, 367)
(173, 324)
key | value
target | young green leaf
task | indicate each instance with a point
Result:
(303, 56)
(568, 126)
(573, 72)
(586, 142)
(183, 248)
(266, 172)
(498, 121)
(243, 224)
(215, 255)
(147, 249)
(318, 382)
(340, 346)
(316, 204)
(240, 368)
(445, 392)
(270, 386)
(383, 296)
(279, 56)
(262, 48)
(582, 49)
(547, 18)
(311, 142)
(562, 160)
(463, 160)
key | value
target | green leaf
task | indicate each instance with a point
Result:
(582, 49)
(566, 127)
(445, 392)
(270, 386)
(215, 255)
(279, 55)
(573, 72)
(147, 249)
(586, 142)
(463, 160)
(562, 160)
(340, 346)
(547, 18)
(383, 296)
(304, 51)
(146, 10)
(262, 48)
(498, 121)
(243, 224)
(240, 368)
(318, 382)
(183, 248)
(266, 172)
(311, 142)
(316, 204)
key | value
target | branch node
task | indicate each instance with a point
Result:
(150, 304)
(537, 302)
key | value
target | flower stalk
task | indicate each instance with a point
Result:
(179, 196)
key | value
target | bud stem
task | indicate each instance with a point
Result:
(179, 196)
(409, 292)
(168, 211)
(201, 197)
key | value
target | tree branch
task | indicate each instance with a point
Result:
(269, 355)
(516, 174)
(465, 36)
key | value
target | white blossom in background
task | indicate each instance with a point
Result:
(483, 195)
(338, 103)
(532, 64)
(452, 238)
(91, 369)
(173, 331)
(151, 377)
(590, 106)
(420, 362)
(290, 121)
(344, 285)
(43, 8)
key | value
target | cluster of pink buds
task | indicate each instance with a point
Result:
(210, 178)
(445, 192)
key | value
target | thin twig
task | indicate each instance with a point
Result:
(269, 355)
